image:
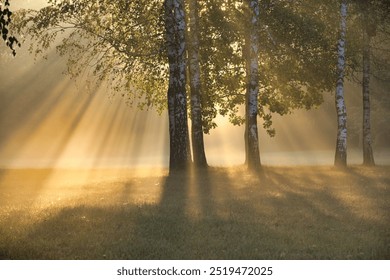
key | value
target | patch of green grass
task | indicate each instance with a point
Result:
(222, 213)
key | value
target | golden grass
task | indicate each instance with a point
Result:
(222, 213)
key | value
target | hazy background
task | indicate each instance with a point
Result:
(48, 120)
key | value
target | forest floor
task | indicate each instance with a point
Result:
(222, 213)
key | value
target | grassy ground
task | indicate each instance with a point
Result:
(224, 213)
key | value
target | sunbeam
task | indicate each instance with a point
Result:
(101, 144)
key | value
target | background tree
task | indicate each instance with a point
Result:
(369, 30)
(294, 59)
(364, 56)
(374, 18)
(341, 142)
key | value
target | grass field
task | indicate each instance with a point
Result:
(222, 213)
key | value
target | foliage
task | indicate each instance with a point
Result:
(373, 17)
(5, 20)
(121, 42)
(296, 59)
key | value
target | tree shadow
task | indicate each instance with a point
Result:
(212, 214)
(337, 209)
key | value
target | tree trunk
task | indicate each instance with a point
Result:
(341, 143)
(177, 98)
(252, 91)
(199, 155)
(368, 157)
(246, 54)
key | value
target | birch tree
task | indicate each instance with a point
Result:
(374, 16)
(252, 90)
(341, 142)
(199, 156)
(177, 98)
(368, 32)
(365, 56)
(293, 54)
(136, 46)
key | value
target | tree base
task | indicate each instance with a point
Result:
(340, 159)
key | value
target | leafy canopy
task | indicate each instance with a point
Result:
(123, 42)
(118, 41)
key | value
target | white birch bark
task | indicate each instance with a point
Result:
(252, 138)
(182, 117)
(195, 87)
(341, 143)
(170, 45)
(177, 98)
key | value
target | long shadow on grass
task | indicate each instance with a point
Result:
(334, 225)
(372, 180)
(277, 215)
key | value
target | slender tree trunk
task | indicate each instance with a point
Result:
(177, 98)
(246, 53)
(368, 156)
(341, 143)
(170, 43)
(199, 155)
(252, 61)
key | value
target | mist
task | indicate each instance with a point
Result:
(86, 174)
(49, 120)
